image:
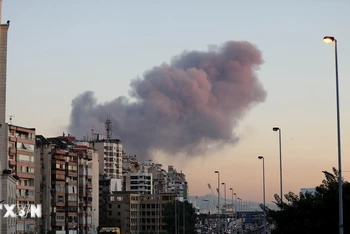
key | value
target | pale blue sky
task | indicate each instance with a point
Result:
(58, 49)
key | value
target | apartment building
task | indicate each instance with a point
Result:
(138, 213)
(3, 76)
(160, 178)
(8, 191)
(139, 182)
(177, 183)
(7, 178)
(20, 157)
(66, 185)
(130, 163)
(104, 191)
(110, 157)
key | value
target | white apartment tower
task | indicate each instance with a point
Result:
(110, 153)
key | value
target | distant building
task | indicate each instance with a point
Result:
(177, 183)
(140, 182)
(110, 157)
(308, 190)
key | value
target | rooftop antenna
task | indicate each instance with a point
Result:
(108, 125)
(11, 116)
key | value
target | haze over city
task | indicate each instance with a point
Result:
(69, 49)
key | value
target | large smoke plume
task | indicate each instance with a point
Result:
(179, 108)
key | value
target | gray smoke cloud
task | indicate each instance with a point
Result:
(197, 99)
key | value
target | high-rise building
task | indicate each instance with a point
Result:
(66, 185)
(21, 164)
(139, 182)
(3, 67)
(7, 178)
(3, 71)
(177, 183)
(110, 157)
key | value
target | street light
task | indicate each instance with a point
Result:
(235, 211)
(232, 202)
(330, 39)
(235, 205)
(240, 210)
(225, 206)
(263, 160)
(280, 148)
(217, 172)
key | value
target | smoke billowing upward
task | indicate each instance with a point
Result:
(196, 100)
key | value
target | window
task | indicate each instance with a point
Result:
(25, 158)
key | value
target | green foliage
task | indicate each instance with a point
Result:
(189, 215)
(312, 213)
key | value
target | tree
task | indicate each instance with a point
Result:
(175, 210)
(312, 213)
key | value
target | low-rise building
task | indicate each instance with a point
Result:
(138, 213)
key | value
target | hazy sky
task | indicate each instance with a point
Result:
(59, 49)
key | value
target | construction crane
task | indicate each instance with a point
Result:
(213, 196)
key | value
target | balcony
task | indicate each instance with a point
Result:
(12, 162)
(12, 151)
(59, 203)
(25, 175)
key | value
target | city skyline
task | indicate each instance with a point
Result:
(104, 52)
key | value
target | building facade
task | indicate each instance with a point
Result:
(140, 182)
(138, 213)
(8, 191)
(21, 163)
(66, 185)
(110, 157)
(177, 183)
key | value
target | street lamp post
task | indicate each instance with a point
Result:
(232, 203)
(240, 210)
(263, 160)
(218, 226)
(329, 39)
(235, 205)
(280, 147)
(224, 184)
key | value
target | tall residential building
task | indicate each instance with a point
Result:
(3, 67)
(3, 73)
(177, 183)
(160, 178)
(139, 182)
(21, 163)
(66, 185)
(110, 157)
(7, 180)
(104, 191)
(130, 163)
